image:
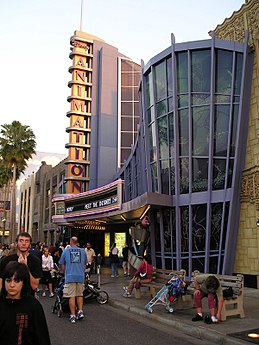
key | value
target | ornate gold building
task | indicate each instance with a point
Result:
(234, 28)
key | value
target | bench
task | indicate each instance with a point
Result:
(160, 278)
(232, 305)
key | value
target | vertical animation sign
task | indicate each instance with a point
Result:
(80, 113)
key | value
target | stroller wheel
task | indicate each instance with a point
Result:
(102, 297)
(60, 312)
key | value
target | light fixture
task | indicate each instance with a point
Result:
(123, 218)
(257, 223)
(253, 335)
(145, 212)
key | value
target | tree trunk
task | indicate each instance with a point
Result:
(13, 234)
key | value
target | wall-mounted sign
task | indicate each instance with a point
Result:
(60, 207)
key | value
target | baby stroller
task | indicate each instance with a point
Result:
(61, 304)
(91, 291)
(169, 293)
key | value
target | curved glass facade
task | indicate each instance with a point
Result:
(191, 146)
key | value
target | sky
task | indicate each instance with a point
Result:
(35, 45)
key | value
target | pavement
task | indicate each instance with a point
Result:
(181, 318)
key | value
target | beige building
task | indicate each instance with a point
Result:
(36, 208)
(247, 255)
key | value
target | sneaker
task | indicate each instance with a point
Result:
(117, 276)
(208, 319)
(51, 294)
(197, 317)
(214, 319)
(43, 294)
(80, 315)
(112, 276)
(72, 318)
(126, 294)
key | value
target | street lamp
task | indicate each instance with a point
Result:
(3, 228)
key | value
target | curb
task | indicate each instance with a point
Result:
(186, 328)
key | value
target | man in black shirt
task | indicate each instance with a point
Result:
(23, 243)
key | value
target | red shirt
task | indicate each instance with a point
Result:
(145, 267)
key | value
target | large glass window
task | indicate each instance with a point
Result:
(167, 231)
(182, 72)
(161, 108)
(201, 65)
(183, 132)
(163, 138)
(219, 173)
(149, 90)
(230, 172)
(216, 219)
(224, 60)
(184, 175)
(154, 177)
(199, 228)
(238, 74)
(234, 130)
(153, 145)
(160, 81)
(172, 176)
(200, 174)
(165, 176)
(184, 229)
(200, 131)
(171, 135)
(169, 77)
(221, 128)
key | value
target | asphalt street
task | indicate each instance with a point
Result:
(104, 324)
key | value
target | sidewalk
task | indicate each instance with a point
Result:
(180, 319)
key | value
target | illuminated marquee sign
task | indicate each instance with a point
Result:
(90, 225)
(93, 205)
(93, 202)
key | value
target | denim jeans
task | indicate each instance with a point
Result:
(114, 268)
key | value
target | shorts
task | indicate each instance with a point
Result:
(46, 278)
(73, 290)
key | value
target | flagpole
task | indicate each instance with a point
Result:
(81, 17)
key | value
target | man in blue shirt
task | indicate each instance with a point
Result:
(73, 262)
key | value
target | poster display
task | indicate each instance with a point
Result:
(120, 239)
(107, 243)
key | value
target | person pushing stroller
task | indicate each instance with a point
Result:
(73, 262)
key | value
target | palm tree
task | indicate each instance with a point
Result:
(5, 178)
(17, 145)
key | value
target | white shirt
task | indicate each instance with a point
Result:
(47, 263)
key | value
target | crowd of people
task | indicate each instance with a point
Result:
(24, 265)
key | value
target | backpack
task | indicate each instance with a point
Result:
(176, 288)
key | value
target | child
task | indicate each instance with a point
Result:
(22, 319)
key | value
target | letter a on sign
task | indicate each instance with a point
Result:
(78, 123)
(80, 62)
